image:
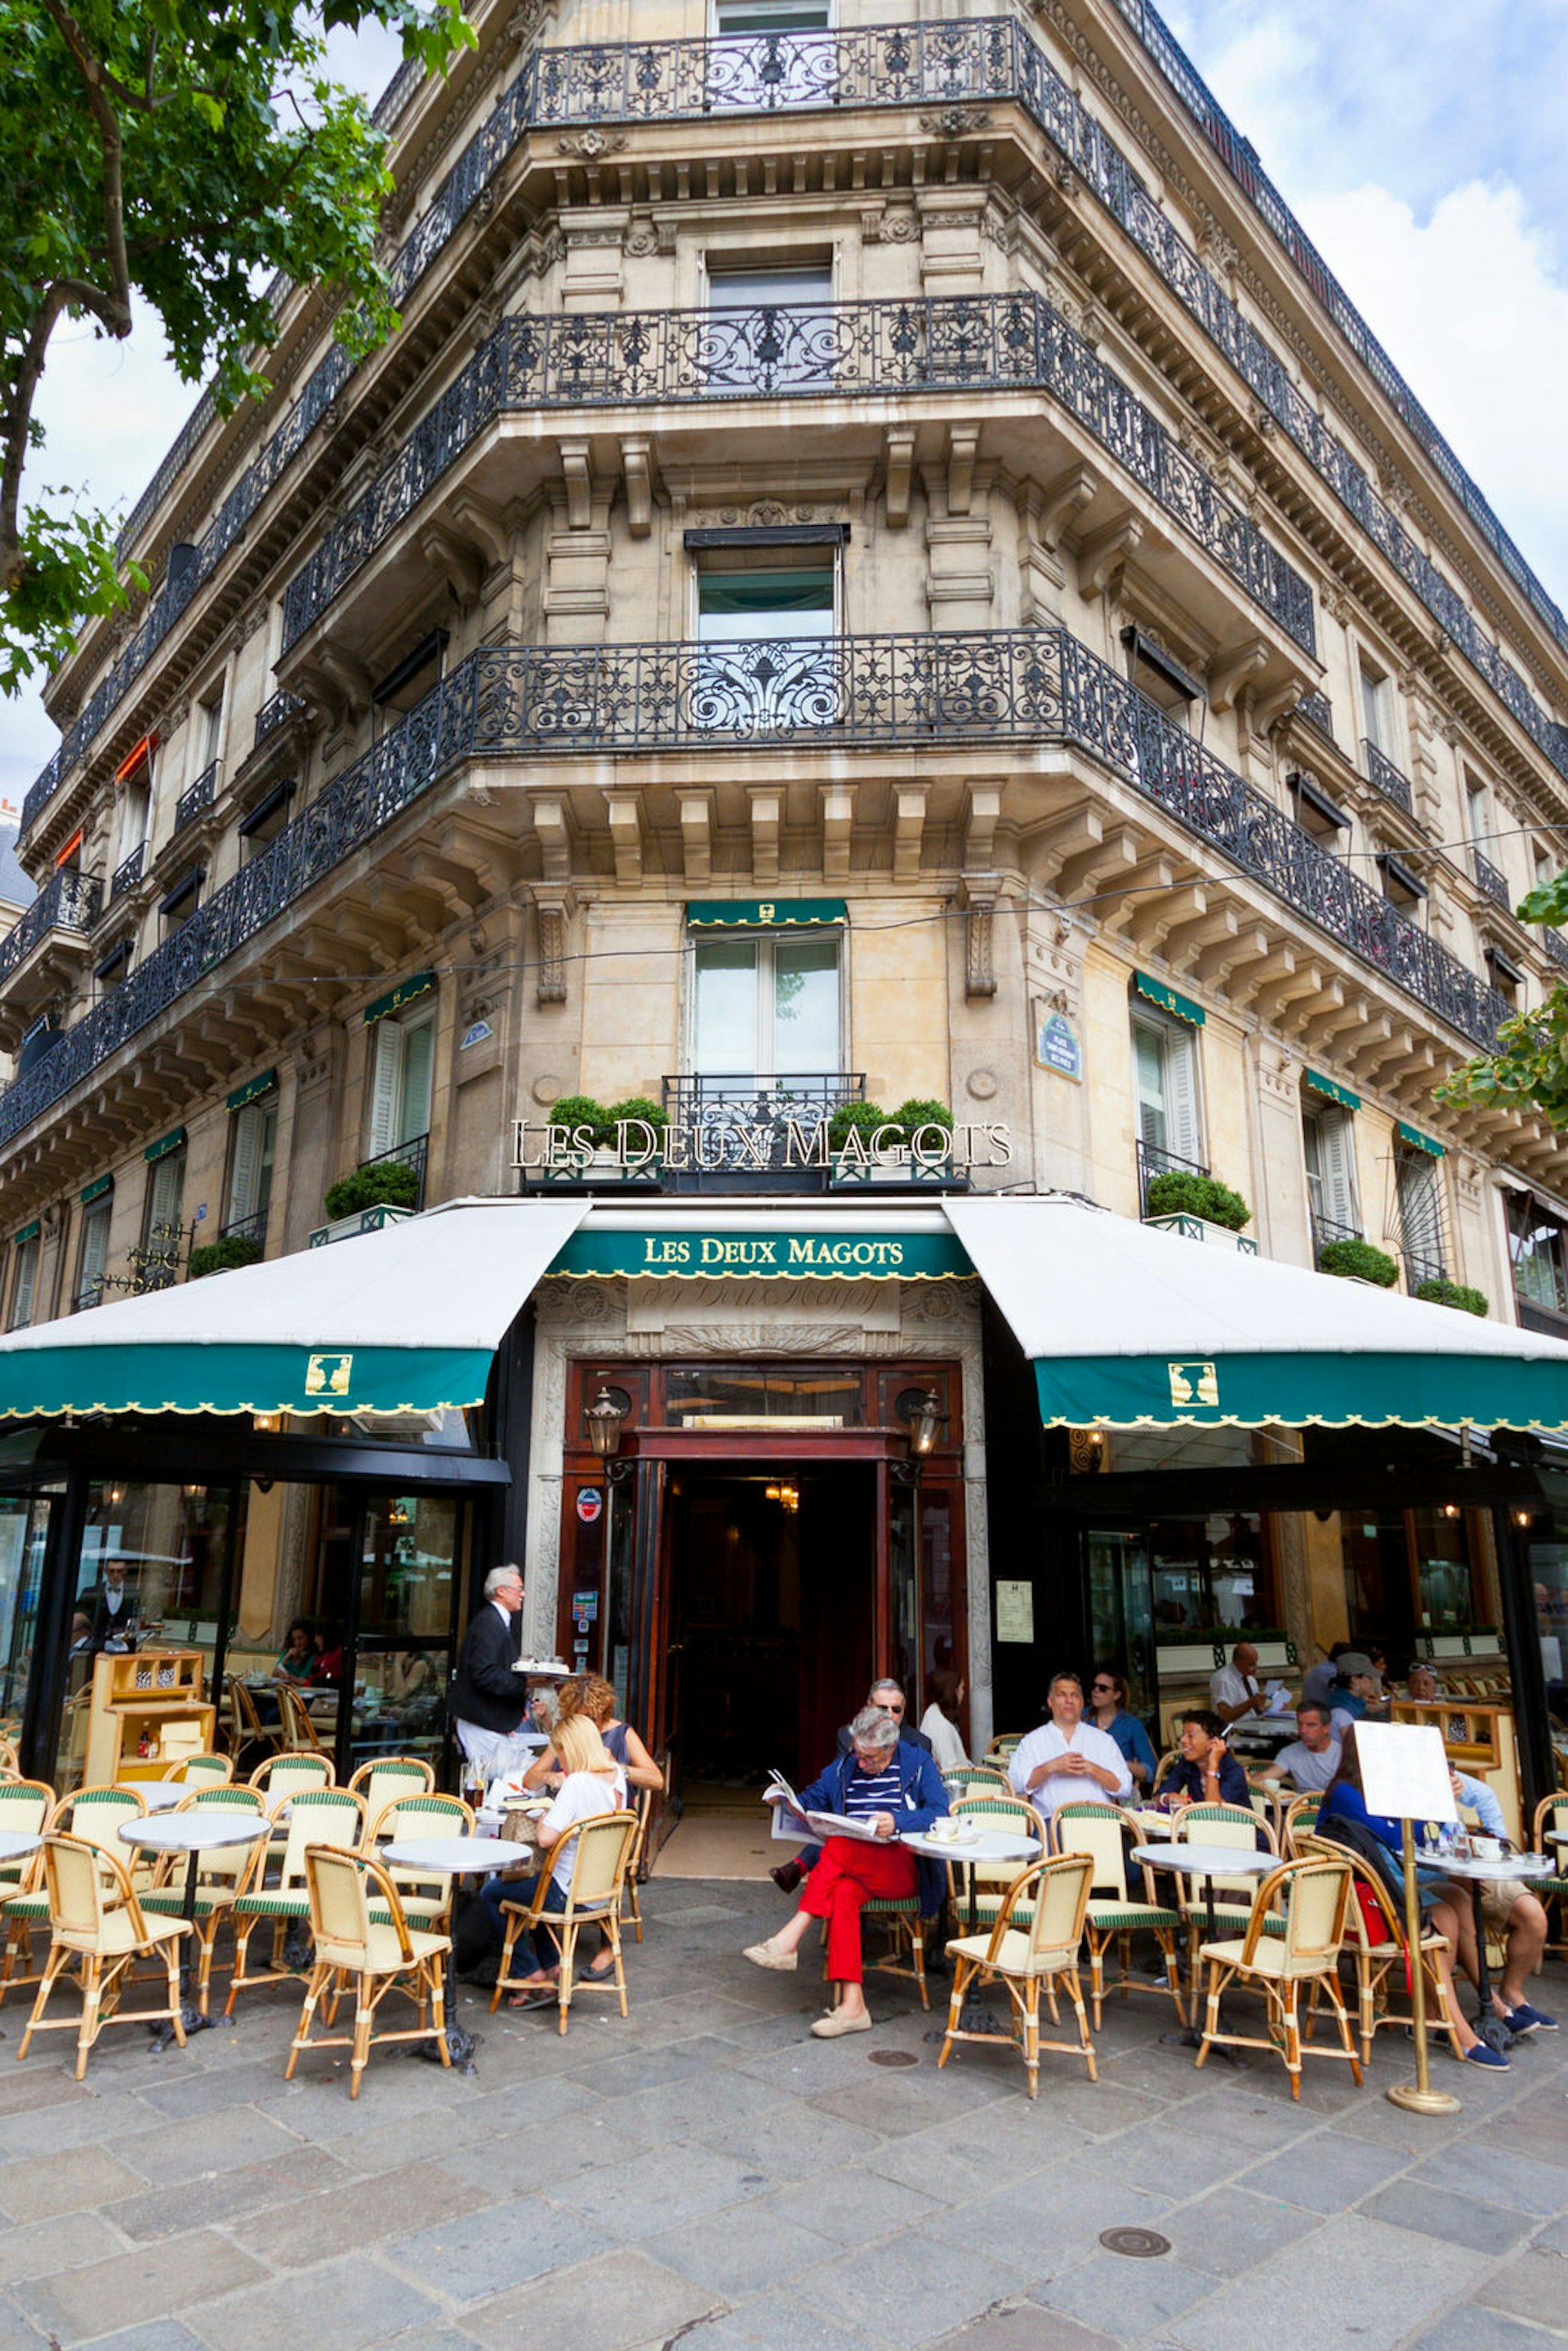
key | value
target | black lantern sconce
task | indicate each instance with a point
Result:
(924, 1417)
(604, 1419)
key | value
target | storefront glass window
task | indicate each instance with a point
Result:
(1535, 1239)
(1443, 1571)
(1211, 1572)
(24, 1532)
(738, 1396)
(408, 1560)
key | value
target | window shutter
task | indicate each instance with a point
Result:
(244, 1173)
(1337, 1168)
(418, 1063)
(27, 1278)
(168, 1191)
(1183, 1133)
(1149, 1062)
(94, 1248)
(386, 1073)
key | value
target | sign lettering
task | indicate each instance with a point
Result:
(696, 1144)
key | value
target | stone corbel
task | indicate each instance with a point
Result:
(838, 822)
(554, 910)
(908, 829)
(554, 837)
(981, 831)
(979, 903)
(1102, 555)
(1053, 506)
(349, 682)
(898, 466)
(491, 534)
(574, 467)
(963, 444)
(458, 564)
(696, 837)
(1270, 707)
(626, 809)
(767, 820)
(1230, 670)
(636, 467)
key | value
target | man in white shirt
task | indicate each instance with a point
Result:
(1068, 1761)
(1235, 1691)
(1312, 1756)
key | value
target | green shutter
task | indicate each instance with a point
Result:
(156, 1151)
(405, 993)
(1330, 1091)
(1420, 1142)
(763, 914)
(1178, 1006)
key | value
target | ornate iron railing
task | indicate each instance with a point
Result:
(1381, 771)
(197, 797)
(68, 901)
(739, 1124)
(841, 350)
(1318, 710)
(986, 685)
(1494, 883)
(1326, 1229)
(275, 711)
(941, 66)
(128, 872)
(414, 1153)
(1555, 947)
(246, 1229)
(1152, 1161)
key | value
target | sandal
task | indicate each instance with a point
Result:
(600, 1971)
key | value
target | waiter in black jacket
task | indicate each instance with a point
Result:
(489, 1702)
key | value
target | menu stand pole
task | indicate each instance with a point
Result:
(1418, 2097)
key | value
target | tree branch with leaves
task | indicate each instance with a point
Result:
(169, 159)
(1528, 1069)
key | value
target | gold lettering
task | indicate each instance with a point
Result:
(888, 1154)
(805, 1147)
(712, 1250)
(635, 1154)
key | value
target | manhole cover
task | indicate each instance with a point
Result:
(1138, 2245)
(891, 2057)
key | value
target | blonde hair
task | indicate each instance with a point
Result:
(580, 1748)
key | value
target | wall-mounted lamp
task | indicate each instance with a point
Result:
(1524, 1518)
(924, 1417)
(604, 1420)
(1451, 1510)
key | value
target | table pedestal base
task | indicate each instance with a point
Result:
(1422, 2102)
(460, 2048)
(191, 2017)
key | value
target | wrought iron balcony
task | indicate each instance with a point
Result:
(1555, 947)
(941, 66)
(246, 1229)
(740, 1125)
(1327, 1229)
(969, 343)
(1152, 1161)
(1381, 771)
(68, 901)
(1318, 712)
(198, 797)
(1033, 686)
(1493, 882)
(128, 872)
(275, 711)
(413, 1154)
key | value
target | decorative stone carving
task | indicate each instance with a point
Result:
(547, 1090)
(955, 121)
(641, 240)
(591, 143)
(982, 1085)
(896, 225)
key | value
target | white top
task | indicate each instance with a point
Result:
(1206, 1860)
(16, 1843)
(583, 1796)
(1503, 1866)
(194, 1832)
(946, 1747)
(1067, 1787)
(1231, 1687)
(986, 1844)
(1310, 1772)
(450, 1855)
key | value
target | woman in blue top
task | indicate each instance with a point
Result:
(1346, 1799)
(1108, 1712)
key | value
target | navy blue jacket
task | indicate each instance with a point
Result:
(922, 1799)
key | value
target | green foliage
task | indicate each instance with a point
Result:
(910, 1116)
(573, 1111)
(1530, 1066)
(1360, 1260)
(219, 1256)
(640, 1106)
(169, 157)
(387, 1184)
(1440, 1292)
(860, 1118)
(1180, 1193)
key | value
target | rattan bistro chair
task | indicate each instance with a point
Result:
(99, 1924)
(1381, 1949)
(593, 1899)
(382, 1780)
(1551, 1820)
(317, 1817)
(350, 1896)
(1114, 1913)
(202, 1771)
(427, 1898)
(26, 1805)
(1056, 1895)
(1315, 1897)
(221, 1870)
(1220, 1824)
(94, 1816)
(283, 1776)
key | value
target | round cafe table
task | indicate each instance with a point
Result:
(1207, 1862)
(450, 1856)
(158, 1795)
(984, 1845)
(15, 1845)
(1525, 1868)
(191, 1833)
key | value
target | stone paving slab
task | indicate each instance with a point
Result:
(706, 2170)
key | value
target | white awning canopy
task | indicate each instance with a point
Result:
(1124, 1324)
(405, 1320)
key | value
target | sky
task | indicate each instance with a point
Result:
(1419, 142)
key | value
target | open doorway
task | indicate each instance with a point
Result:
(772, 1579)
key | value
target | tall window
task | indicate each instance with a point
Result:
(770, 328)
(24, 1280)
(253, 1138)
(1377, 709)
(1478, 814)
(1536, 1240)
(93, 1255)
(767, 1008)
(1329, 1141)
(1418, 1192)
(1164, 1064)
(771, 624)
(210, 730)
(402, 1062)
(166, 1205)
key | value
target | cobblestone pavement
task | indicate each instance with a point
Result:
(705, 2171)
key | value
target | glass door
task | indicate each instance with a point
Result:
(24, 1534)
(409, 1549)
(1122, 1616)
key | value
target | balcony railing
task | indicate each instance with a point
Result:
(1555, 947)
(968, 343)
(128, 872)
(246, 1229)
(1033, 686)
(414, 1153)
(1152, 1161)
(1318, 710)
(941, 65)
(198, 797)
(68, 901)
(741, 1125)
(1381, 771)
(1494, 883)
(1327, 1229)
(276, 712)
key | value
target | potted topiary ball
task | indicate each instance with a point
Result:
(1439, 1290)
(1358, 1261)
(1182, 1192)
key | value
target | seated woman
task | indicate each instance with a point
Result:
(591, 1695)
(897, 1787)
(1440, 1910)
(296, 1658)
(593, 1783)
(940, 1721)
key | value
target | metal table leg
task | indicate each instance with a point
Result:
(191, 2016)
(1489, 2026)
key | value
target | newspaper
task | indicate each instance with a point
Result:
(794, 1826)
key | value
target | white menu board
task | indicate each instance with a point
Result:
(1404, 1770)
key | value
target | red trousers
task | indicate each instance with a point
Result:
(848, 1874)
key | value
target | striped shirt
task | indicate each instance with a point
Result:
(873, 1792)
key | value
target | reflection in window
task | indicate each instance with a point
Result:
(1535, 1241)
(766, 1007)
(24, 1533)
(732, 1396)
(407, 1564)
(1211, 1572)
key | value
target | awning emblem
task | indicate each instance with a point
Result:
(327, 1374)
(1194, 1383)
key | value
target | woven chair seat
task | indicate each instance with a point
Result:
(273, 1905)
(172, 1905)
(1236, 1914)
(900, 1906)
(1112, 1914)
(1015, 1955)
(1267, 1959)
(26, 1906)
(423, 1906)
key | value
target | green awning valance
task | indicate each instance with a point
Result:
(769, 1253)
(1420, 1142)
(27, 1233)
(161, 1149)
(95, 1191)
(256, 1088)
(405, 993)
(762, 914)
(1330, 1091)
(1178, 1006)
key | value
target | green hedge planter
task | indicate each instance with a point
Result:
(1442, 1291)
(1179, 1194)
(390, 1183)
(1360, 1260)
(221, 1255)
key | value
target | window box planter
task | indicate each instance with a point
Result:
(1199, 1229)
(362, 1220)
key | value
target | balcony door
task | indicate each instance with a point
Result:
(768, 665)
(770, 330)
(766, 1010)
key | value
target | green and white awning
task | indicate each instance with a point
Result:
(405, 1320)
(1122, 1324)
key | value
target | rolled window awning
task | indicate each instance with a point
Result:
(1124, 1324)
(405, 1320)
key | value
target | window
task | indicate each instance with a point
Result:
(1506, 977)
(1402, 886)
(93, 1255)
(765, 58)
(266, 820)
(111, 972)
(135, 812)
(163, 1227)
(1418, 1194)
(183, 901)
(209, 737)
(738, 16)
(772, 610)
(771, 329)
(1536, 1246)
(1377, 709)
(1317, 814)
(23, 1279)
(1478, 814)
(1329, 1140)
(1165, 1062)
(409, 681)
(767, 1008)
(402, 1059)
(253, 1137)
